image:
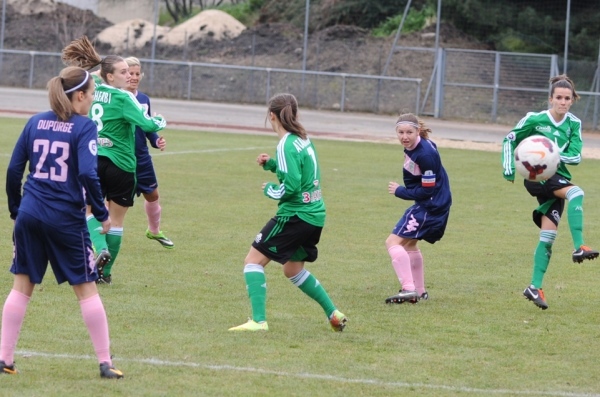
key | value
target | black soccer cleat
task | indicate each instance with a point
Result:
(101, 260)
(583, 253)
(536, 295)
(107, 371)
(404, 296)
(7, 369)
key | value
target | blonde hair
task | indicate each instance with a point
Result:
(70, 78)
(133, 61)
(413, 120)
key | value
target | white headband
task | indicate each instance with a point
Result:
(408, 123)
(87, 76)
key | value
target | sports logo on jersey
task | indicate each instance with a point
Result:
(258, 238)
(556, 133)
(511, 136)
(546, 128)
(105, 142)
(93, 148)
(428, 179)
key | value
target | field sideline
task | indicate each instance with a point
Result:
(169, 310)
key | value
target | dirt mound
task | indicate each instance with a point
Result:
(130, 35)
(215, 24)
(43, 25)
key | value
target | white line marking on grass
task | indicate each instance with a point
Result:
(329, 378)
(210, 151)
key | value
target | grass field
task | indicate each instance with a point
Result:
(169, 311)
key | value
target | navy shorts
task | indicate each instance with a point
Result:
(68, 249)
(550, 205)
(418, 224)
(146, 178)
(117, 185)
(285, 239)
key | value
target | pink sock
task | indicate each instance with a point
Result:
(418, 272)
(12, 320)
(401, 264)
(95, 320)
(153, 211)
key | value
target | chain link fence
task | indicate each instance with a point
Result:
(476, 85)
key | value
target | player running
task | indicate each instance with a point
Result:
(292, 235)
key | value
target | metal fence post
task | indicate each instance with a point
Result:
(343, 100)
(496, 86)
(31, 66)
(268, 85)
(189, 89)
(438, 103)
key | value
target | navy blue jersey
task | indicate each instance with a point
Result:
(425, 179)
(141, 148)
(63, 166)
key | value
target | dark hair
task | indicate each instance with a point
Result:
(70, 78)
(285, 108)
(81, 52)
(563, 81)
(411, 118)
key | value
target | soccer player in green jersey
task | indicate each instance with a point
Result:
(116, 113)
(562, 127)
(291, 237)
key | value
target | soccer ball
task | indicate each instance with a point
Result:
(537, 158)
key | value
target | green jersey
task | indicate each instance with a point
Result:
(299, 189)
(116, 112)
(565, 133)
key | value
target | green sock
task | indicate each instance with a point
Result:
(95, 227)
(256, 284)
(575, 215)
(113, 240)
(313, 288)
(541, 256)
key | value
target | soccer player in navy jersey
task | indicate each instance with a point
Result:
(147, 184)
(425, 182)
(50, 212)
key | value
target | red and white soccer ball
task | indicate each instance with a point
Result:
(537, 158)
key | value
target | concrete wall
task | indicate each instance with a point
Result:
(117, 10)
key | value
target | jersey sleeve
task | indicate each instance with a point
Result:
(571, 154)
(15, 171)
(270, 165)
(135, 114)
(289, 176)
(87, 152)
(430, 167)
(521, 131)
(152, 137)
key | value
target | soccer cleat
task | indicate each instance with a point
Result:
(536, 295)
(338, 321)
(405, 296)
(424, 296)
(107, 371)
(161, 238)
(8, 369)
(251, 325)
(101, 260)
(583, 253)
(104, 280)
